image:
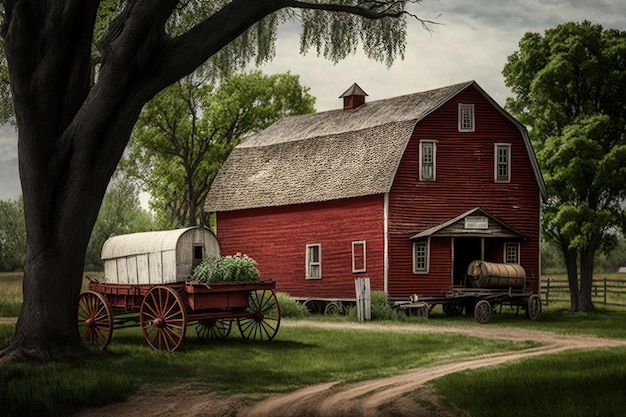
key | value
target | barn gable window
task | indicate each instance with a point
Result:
(428, 160)
(466, 117)
(420, 256)
(314, 261)
(502, 162)
(358, 257)
(511, 253)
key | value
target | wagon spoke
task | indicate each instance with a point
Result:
(95, 324)
(264, 317)
(163, 318)
(213, 328)
(150, 304)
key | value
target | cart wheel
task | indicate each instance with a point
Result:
(163, 318)
(424, 311)
(95, 321)
(453, 309)
(265, 316)
(533, 309)
(213, 328)
(333, 308)
(482, 311)
(314, 306)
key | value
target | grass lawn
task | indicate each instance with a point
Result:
(574, 383)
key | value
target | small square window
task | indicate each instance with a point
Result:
(358, 257)
(511, 253)
(420, 257)
(314, 261)
(466, 117)
(198, 252)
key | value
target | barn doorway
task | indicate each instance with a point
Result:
(466, 250)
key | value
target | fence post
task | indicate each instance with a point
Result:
(363, 300)
(605, 290)
(548, 291)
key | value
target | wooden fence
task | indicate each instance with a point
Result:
(605, 291)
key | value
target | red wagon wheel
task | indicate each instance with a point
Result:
(163, 318)
(95, 321)
(265, 316)
(213, 328)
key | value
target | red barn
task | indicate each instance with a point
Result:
(406, 191)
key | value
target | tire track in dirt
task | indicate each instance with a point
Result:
(364, 398)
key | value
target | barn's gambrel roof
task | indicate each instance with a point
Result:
(330, 155)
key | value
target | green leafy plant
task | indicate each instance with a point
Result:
(290, 308)
(238, 268)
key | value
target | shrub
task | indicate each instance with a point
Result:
(290, 307)
(238, 268)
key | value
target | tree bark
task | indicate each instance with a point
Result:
(585, 302)
(571, 265)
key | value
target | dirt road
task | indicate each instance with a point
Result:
(361, 399)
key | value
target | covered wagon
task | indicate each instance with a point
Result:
(148, 281)
(161, 257)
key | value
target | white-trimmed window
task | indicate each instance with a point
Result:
(420, 256)
(511, 253)
(466, 117)
(428, 160)
(359, 261)
(502, 162)
(314, 261)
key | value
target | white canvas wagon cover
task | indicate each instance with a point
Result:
(159, 257)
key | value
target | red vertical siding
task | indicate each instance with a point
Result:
(277, 237)
(465, 180)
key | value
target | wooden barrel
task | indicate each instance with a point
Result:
(483, 274)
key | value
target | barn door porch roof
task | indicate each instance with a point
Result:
(473, 223)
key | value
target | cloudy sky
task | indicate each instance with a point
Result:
(471, 42)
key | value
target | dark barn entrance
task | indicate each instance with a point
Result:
(466, 250)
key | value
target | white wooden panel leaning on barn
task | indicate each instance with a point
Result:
(157, 257)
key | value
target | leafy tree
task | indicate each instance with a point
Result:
(73, 128)
(186, 132)
(120, 213)
(569, 88)
(12, 235)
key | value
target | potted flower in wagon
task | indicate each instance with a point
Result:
(237, 268)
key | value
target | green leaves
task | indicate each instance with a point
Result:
(185, 134)
(238, 268)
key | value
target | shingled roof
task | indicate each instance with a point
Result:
(324, 156)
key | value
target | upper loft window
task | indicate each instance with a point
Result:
(466, 117)
(502, 162)
(428, 158)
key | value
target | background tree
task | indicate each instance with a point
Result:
(120, 213)
(12, 235)
(73, 131)
(186, 132)
(569, 88)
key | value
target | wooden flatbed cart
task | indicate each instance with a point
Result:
(490, 285)
(482, 302)
(165, 311)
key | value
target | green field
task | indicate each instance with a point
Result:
(573, 383)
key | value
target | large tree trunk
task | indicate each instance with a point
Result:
(571, 265)
(585, 302)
